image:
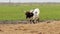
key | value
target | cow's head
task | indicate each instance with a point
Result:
(29, 14)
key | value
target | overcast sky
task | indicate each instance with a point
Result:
(30, 1)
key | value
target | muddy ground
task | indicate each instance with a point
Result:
(46, 27)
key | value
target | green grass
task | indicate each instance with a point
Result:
(48, 12)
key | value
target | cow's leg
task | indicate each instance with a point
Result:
(33, 21)
(28, 20)
(37, 20)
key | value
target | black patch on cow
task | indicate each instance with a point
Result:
(29, 14)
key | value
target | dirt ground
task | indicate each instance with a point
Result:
(39, 28)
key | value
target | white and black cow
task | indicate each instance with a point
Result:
(33, 15)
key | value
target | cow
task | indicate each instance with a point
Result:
(33, 15)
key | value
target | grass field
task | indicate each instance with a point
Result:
(17, 12)
(12, 12)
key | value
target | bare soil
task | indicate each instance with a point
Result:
(52, 27)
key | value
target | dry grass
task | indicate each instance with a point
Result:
(39, 28)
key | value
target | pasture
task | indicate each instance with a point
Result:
(16, 12)
(48, 11)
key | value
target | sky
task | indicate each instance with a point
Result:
(22, 1)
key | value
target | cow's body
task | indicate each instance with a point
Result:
(33, 15)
